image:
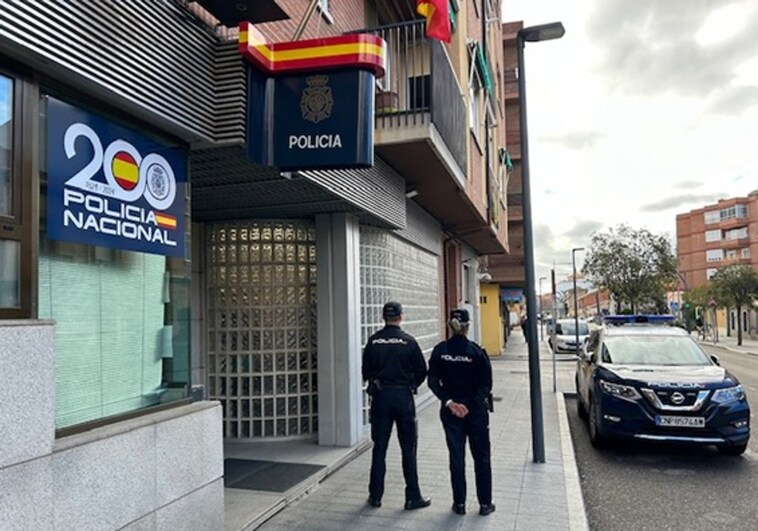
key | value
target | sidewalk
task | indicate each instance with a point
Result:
(749, 346)
(527, 495)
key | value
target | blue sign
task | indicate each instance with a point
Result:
(511, 294)
(311, 121)
(111, 186)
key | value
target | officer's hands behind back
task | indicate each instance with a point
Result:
(459, 410)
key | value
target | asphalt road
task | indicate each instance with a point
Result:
(648, 486)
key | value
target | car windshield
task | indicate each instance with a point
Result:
(567, 329)
(653, 350)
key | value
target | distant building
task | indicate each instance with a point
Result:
(716, 236)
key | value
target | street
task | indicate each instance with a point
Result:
(650, 486)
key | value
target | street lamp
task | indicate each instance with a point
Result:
(543, 32)
(576, 306)
(542, 317)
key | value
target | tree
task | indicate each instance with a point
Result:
(736, 286)
(634, 265)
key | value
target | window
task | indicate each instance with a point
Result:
(419, 92)
(6, 145)
(712, 235)
(323, 6)
(737, 211)
(10, 295)
(746, 252)
(713, 216)
(731, 254)
(714, 255)
(122, 335)
(736, 234)
(15, 201)
(710, 272)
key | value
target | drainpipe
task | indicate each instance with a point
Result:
(488, 184)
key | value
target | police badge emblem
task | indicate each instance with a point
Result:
(316, 102)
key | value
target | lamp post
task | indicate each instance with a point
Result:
(542, 317)
(576, 305)
(543, 32)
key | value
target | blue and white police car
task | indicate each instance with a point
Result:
(640, 379)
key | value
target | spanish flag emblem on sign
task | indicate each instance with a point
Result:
(437, 18)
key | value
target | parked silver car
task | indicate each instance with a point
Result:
(565, 335)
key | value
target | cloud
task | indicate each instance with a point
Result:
(576, 139)
(651, 46)
(555, 248)
(680, 200)
(583, 230)
(688, 184)
(733, 100)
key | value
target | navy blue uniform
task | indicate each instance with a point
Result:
(459, 370)
(393, 360)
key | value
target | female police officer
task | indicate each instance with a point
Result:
(460, 375)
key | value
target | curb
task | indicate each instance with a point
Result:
(574, 500)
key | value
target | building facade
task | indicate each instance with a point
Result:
(507, 270)
(716, 236)
(161, 294)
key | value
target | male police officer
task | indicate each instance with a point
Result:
(460, 375)
(394, 367)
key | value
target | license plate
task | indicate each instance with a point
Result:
(680, 422)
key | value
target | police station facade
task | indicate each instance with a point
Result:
(161, 292)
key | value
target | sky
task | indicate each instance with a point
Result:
(645, 109)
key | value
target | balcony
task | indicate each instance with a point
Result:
(735, 243)
(422, 131)
(419, 100)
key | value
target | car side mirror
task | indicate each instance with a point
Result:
(715, 359)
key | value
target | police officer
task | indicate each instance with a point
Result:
(460, 375)
(394, 367)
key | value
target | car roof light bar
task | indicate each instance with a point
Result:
(638, 318)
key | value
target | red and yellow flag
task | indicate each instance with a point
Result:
(437, 18)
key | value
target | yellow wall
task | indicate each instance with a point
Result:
(492, 327)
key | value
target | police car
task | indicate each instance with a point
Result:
(640, 379)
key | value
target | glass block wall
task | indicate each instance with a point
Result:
(394, 269)
(261, 287)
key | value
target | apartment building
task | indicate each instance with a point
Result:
(163, 295)
(507, 275)
(714, 236)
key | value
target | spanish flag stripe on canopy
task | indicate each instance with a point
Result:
(358, 50)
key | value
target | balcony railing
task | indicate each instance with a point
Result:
(420, 86)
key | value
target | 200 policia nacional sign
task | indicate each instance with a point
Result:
(111, 186)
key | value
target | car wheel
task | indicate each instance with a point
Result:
(596, 438)
(732, 449)
(580, 409)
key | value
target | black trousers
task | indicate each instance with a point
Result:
(393, 407)
(476, 427)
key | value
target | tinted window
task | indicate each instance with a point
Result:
(653, 350)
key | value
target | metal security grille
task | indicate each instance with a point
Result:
(262, 326)
(394, 269)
